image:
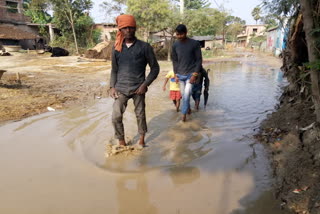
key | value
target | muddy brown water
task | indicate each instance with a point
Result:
(55, 162)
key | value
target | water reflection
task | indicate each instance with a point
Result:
(181, 175)
(211, 162)
(133, 195)
(215, 139)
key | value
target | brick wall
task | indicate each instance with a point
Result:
(6, 16)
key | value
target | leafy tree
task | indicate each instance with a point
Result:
(203, 22)
(270, 20)
(234, 27)
(113, 7)
(256, 14)
(195, 4)
(311, 26)
(224, 20)
(37, 11)
(72, 15)
(281, 7)
(171, 23)
(151, 15)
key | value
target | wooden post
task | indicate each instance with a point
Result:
(51, 32)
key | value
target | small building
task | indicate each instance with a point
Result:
(162, 35)
(205, 41)
(218, 41)
(248, 32)
(12, 11)
(16, 29)
(161, 38)
(275, 40)
(11, 35)
(107, 29)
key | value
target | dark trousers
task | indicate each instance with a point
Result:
(119, 107)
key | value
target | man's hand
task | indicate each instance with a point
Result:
(113, 93)
(176, 79)
(142, 89)
(193, 79)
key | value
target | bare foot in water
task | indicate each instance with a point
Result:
(184, 118)
(197, 105)
(122, 143)
(141, 141)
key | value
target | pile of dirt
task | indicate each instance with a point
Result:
(102, 50)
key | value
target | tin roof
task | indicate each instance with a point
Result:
(203, 38)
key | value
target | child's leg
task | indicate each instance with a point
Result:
(174, 102)
(173, 97)
(178, 105)
(197, 102)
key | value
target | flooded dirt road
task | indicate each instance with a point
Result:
(55, 162)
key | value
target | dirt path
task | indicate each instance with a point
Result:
(48, 82)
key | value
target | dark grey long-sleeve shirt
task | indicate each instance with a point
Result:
(129, 67)
(186, 57)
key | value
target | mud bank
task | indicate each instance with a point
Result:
(293, 140)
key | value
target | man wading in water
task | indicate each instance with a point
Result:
(187, 61)
(130, 57)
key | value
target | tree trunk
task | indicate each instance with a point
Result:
(169, 51)
(181, 7)
(308, 25)
(73, 31)
(170, 46)
(167, 44)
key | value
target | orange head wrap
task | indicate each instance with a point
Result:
(122, 22)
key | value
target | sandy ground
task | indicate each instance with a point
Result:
(49, 82)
